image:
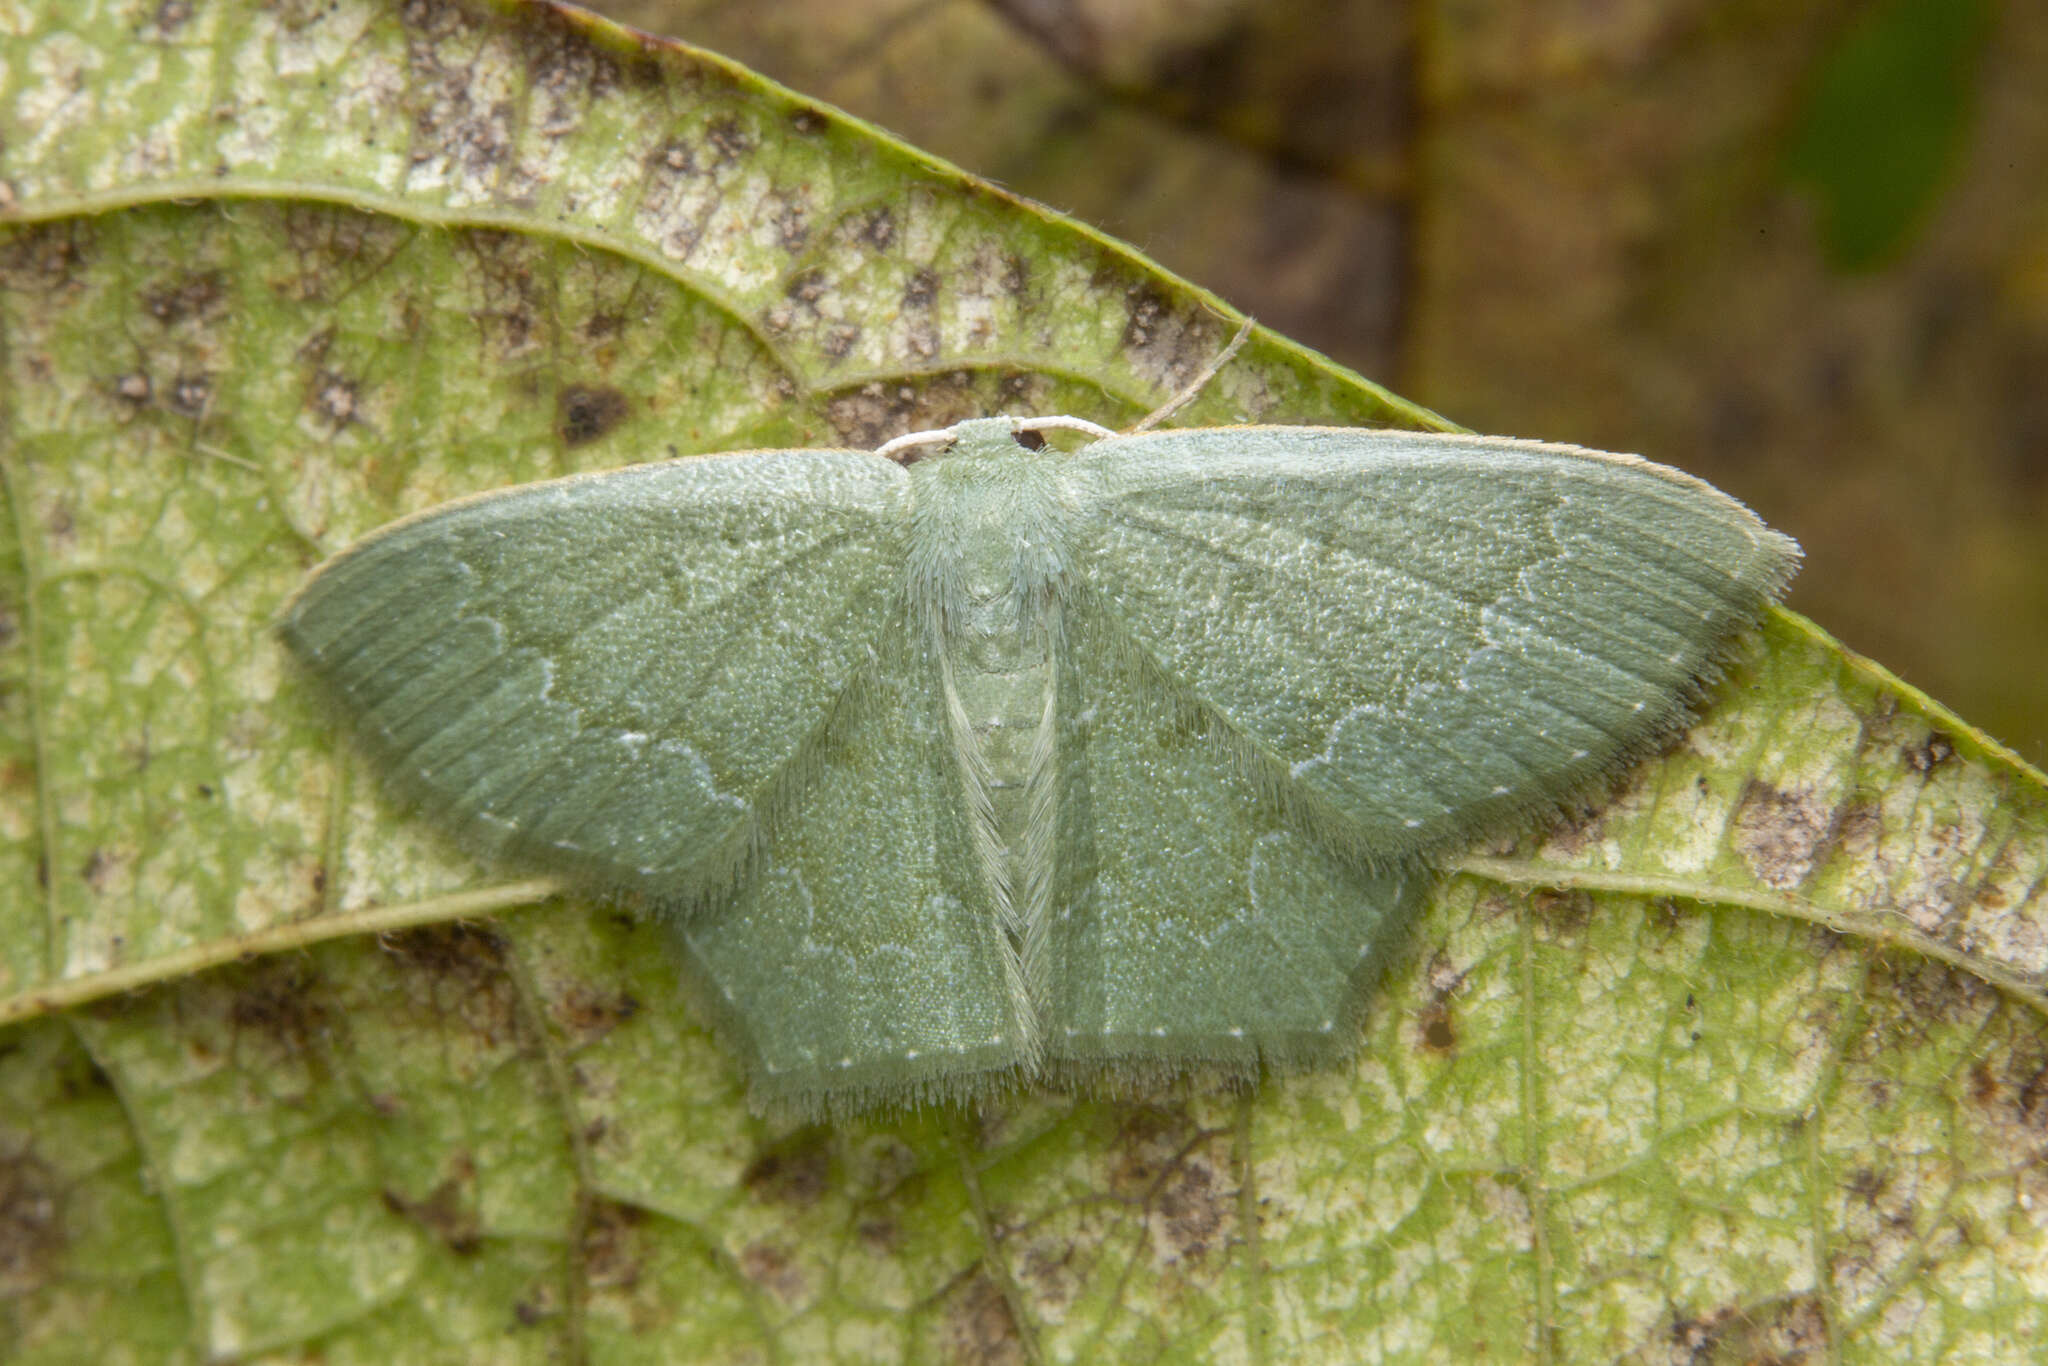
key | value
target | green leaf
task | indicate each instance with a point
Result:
(1744, 1062)
(1881, 127)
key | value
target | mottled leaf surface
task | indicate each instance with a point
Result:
(1744, 1061)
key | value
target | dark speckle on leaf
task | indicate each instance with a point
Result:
(1931, 754)
(978, 1327)
(796, 1172)
(772, 1267)
(31, 1220)
(1564, 910)
(728, 139)
(807, 287)
(171, 16)
(133, 388)
(99, 869)
(336, 398)
(840, 339)
(587, 1014)
(878, 230)
(613, 1244)
(1439, 1033)
(1016, 274)
(184, 297)
(282, 1001)
(1782, 835)
(444, 1211)
(190, 395)
(452, 950)
(586, 412)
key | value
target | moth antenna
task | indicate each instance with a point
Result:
(890, 449)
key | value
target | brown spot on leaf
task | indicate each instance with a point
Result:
(454, 125)
(1926, 997)
(461, 949)
(878, 230)
(506, 273)
(1576, 828)
(184, 297)
(1054, 1270)
(170, 16)
(1191, 1210)
(460, 975)
(877, 411)
(921, 291)
(797, 1171)
(771, 1267)
(1858, 826)
(1167, 345)
(99, 870)
(728, 139)
(809, 121)
(133, 389)
(1162, 1164)
(276, 1002)
(336, 398)
(445, 1212)
(977, 1326)
(1775, 1331)
(1936, 750)
(585, 412)
(1568, 912)
(1782, 835)
(839, 340)
(792, 227)
(1984, 1086)
(45, 258)
(587, 1014)
(672, 158)
(190, 395)
(1437, 1030)
(332, 250)
(807, 286)
(568, 70)
(614, 1254)
(2008, 1106)
(59, 523)
(31, 1223)
(1145, 310)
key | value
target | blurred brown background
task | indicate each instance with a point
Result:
(1799, 247)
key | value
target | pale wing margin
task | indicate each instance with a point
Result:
(614, 674)
(1422, 638)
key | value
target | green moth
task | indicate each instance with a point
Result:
(1001, 765)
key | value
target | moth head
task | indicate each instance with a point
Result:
(912, 447)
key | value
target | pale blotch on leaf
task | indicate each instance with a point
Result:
(1007, 766)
